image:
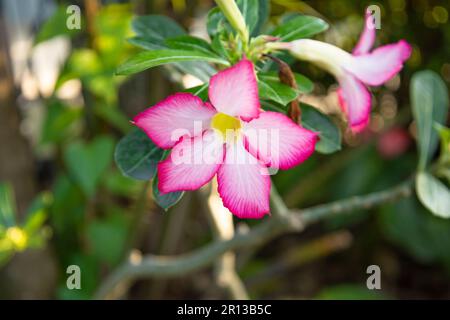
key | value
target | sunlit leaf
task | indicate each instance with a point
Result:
(429, 99)
(433, 194)
(149, 59)
(300, 27)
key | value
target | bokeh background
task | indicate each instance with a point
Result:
(62, 111)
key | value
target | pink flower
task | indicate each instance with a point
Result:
(352, 71)
(219, 138)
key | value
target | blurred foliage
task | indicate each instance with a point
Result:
(90, 210)
(31, 233)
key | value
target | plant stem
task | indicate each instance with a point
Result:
(169, 266)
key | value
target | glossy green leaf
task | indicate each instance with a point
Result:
(167, 200)
(87, 162)
(429, 99)
(330, 136)
(433, 194)
(137, 156)
(300, 27)
(149, 59)
(276, 91)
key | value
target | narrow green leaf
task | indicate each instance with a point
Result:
(137, 156)
(250, 12)
(7, 206)
(433, 194)
(429, 99)
(156, 28)
(148, 59)
(300, 27)
(216, 20)
(167, 200)
(263, 16)
(330, 136)
(189, 43)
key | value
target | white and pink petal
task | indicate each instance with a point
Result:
(355, 101)
(181, 114)
(244, 183)
(367, 38)
(278, 141)
(192, 163)
(234, 91)
(381, 65)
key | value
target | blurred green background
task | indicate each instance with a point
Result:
(64, 201)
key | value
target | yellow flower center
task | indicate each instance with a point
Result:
(225, 124)
(17, 237)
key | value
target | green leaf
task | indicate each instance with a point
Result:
(56, 26)
(263, 16)
(276, 91)
(189, 43)
(155, 28)
(410, 226)
(7, 206)
(330, 136)
(87, 162)
(433, 194)
(137, 156)
(250, 11)
(216, 20)
(148, 59)
(303, 83)
(200, 91)
(300, 27)
(167, 200)
(429, 99)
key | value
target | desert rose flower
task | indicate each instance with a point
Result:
(229, 137)
(352, 71)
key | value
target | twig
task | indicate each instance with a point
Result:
(222, 222)
(169, 266)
